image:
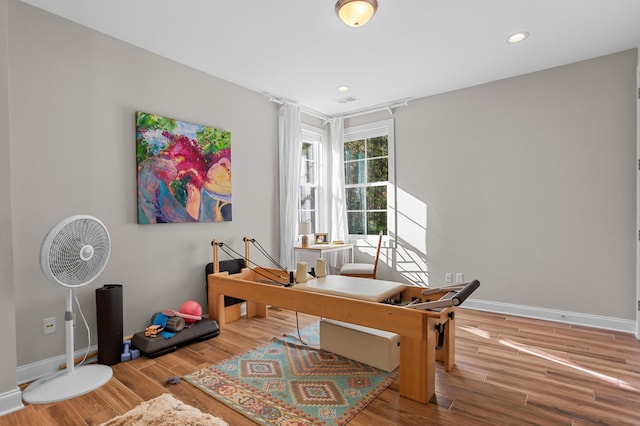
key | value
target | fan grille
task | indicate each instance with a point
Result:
(78, 252)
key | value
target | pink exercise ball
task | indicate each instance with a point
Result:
(191, 307)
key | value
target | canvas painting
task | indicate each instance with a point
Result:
(184, 171)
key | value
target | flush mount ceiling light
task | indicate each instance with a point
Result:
(356, 13)
(517, 37)
(343, 89)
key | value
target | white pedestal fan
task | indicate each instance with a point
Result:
(73, 254)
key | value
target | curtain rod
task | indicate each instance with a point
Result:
(389, 107)
(303, 108)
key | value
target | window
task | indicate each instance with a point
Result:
(312, 178)
(369, 177)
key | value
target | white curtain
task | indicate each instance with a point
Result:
(290, 151)
(338, 220)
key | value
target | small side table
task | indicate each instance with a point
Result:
(320, 250)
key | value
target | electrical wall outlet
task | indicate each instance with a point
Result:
(449, 277)
(459, 277)
(49, 325)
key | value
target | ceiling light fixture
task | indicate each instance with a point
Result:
(517, 37)
(343, 89)
(356, 13)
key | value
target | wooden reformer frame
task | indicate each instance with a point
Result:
(426, 336)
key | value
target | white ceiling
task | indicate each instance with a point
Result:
(298, 50)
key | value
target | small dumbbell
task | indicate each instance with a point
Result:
(126, 355)
(135, 353)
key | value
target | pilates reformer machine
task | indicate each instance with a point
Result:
(423, 317)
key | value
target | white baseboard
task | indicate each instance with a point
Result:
(607, 323)
(10, 401)
(30, 372)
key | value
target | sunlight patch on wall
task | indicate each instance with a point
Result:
(411, 239)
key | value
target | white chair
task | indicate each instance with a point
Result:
(363, 270)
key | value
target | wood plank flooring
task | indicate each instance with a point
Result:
(509, 371)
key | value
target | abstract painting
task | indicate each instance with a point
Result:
(184, 171)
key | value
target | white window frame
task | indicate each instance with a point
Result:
(318, 137)
(379, 128)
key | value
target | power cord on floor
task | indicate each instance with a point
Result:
(298, 329)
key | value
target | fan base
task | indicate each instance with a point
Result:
(67, 385)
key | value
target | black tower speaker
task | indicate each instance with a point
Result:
(109, 317)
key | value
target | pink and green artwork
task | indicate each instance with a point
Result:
(184, 171)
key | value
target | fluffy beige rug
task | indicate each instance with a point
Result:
(165, 410)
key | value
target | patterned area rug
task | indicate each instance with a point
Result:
(165, 410)
(288, 383)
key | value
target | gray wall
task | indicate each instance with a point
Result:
(7, 310)
(74, 97)
(527, 184)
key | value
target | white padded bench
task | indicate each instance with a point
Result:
(377, 348)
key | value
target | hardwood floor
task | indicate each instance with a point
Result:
(509, 371)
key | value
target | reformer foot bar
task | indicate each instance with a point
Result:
(455, 295)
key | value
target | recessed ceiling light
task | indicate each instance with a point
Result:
(343, 89)
(518, 37)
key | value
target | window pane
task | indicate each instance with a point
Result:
(307, 173)
(304, 216)
(378, 170)
(312, 219)
(308, 216)
(356, 222)
(377, 147)
(354, 172)
(368, 167)
(310, 187)
(355, 198)
(308, 153)
(377, 198)
(307, 198)
(376, 222)
(354, 150)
